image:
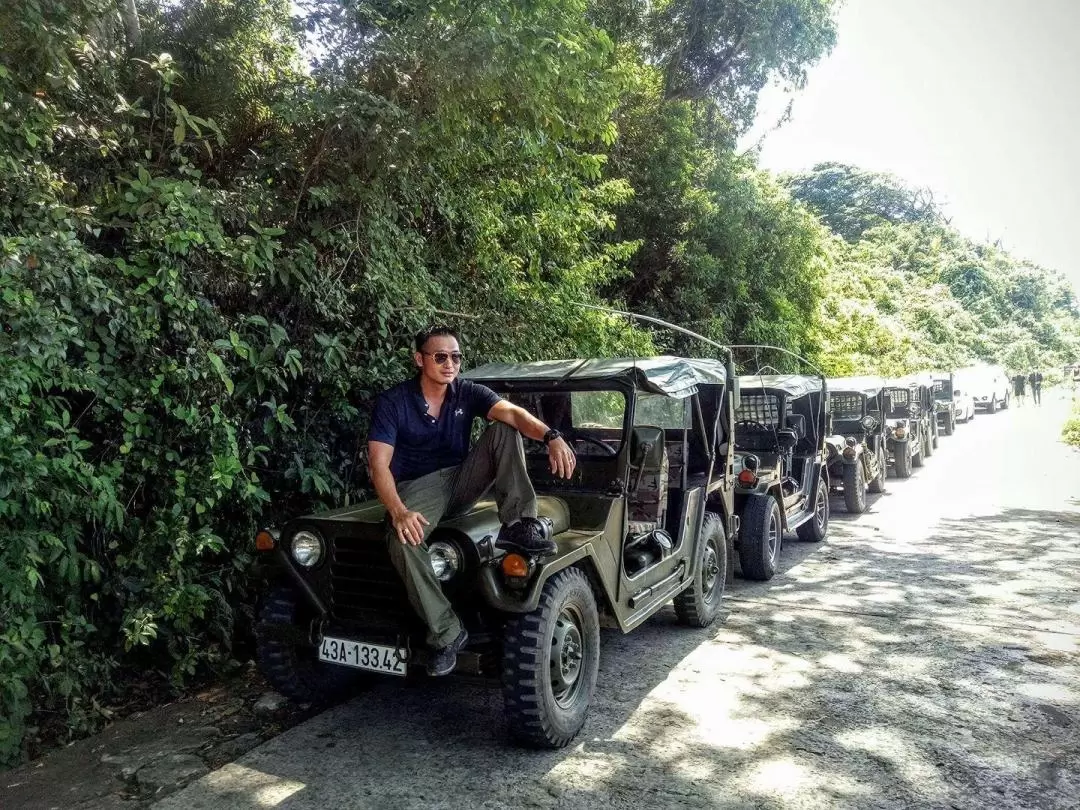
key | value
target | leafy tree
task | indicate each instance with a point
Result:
(727, 50)
(851, 201)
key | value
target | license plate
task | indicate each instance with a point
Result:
(363, 655)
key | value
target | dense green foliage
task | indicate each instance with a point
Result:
(212, 253)
(1070, 431)
(211, 258)
(907, 292)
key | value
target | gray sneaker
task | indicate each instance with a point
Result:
(445, 658)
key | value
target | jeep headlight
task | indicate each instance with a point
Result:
(445, 560)
(307, 548)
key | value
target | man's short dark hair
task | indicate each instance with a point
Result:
(439, 330)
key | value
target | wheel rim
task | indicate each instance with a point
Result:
(774, 535)
(821, 507)
(567, 656)
(710, 570)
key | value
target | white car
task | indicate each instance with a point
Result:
(988, 386)
(963, 405)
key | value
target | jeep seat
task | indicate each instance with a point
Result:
(647, 499)
(804, 445)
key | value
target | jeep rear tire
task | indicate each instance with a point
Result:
(929, 443)
(760, 538)
(902, 459)
(950, 424)
(918, 458)
(854, 488)
(551, 657)
(817, 527)
(699, 604)
(294, 669)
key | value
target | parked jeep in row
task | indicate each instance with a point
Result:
(911, 422)
(782, 484)
(857, 457)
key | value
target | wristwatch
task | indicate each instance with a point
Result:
(551, 436)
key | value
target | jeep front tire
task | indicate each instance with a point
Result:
(551, 657)
(854, 488)
(817, 528)
(902, 459)
(699, 604)
(760, 538)
(291, 668)
(877, 486)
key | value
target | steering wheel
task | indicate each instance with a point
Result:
(607, 448)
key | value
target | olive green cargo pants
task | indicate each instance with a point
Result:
(497, 462)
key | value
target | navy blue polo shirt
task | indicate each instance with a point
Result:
(423, 444)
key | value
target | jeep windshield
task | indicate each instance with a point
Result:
(591, 421)
(900, 403)
(846, 407)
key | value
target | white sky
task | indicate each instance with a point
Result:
(977, 99)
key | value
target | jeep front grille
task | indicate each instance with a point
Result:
(365, 587)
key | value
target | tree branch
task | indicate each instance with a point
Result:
(699, 89)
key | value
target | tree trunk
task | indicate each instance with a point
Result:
(130, 17)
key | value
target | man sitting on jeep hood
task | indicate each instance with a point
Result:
(422, 469)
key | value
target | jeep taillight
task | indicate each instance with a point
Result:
(747, 478)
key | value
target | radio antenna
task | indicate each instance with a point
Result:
(660, 322)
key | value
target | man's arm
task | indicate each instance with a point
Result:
(409, 525)
(560, 454)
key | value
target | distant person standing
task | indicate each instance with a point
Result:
(1036, 379)
(1019, 382)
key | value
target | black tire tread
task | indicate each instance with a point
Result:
(754, 525)
(690, 608)
(524, 639)
(299, 680)
(877, 486)
(808, 531)
(854, 489)
(902, 462)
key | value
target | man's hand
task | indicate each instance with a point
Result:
(562, 458)
(409, 527)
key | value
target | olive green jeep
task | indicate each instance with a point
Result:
(646, 519)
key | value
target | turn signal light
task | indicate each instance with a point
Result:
(747, 478)
(514, 565)
(264, 541)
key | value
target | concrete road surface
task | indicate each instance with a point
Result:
(924, 656)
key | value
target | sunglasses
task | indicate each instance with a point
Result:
(440, 358)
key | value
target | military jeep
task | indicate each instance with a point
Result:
(945, 406)
(782, 484)
(911, 424)
(647, 518)
(856, 450)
